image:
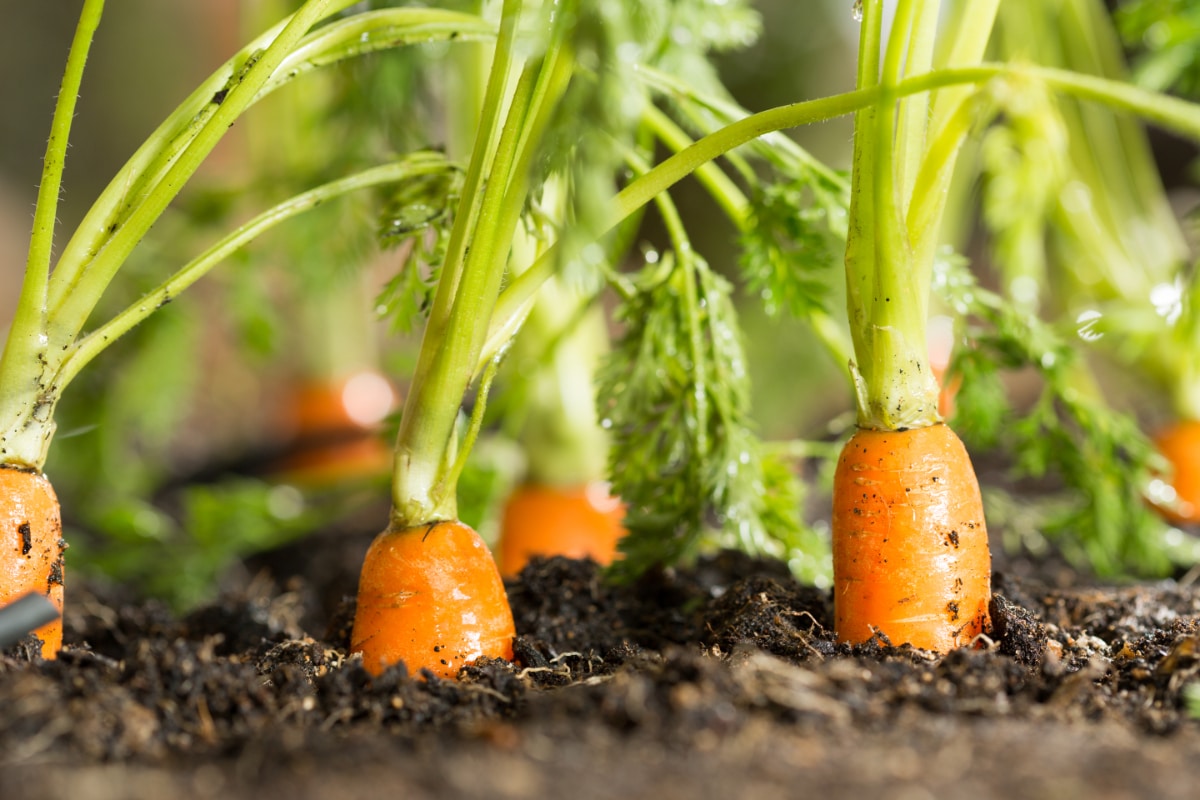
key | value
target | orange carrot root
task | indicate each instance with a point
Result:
(578, 522)
(941, 351)
(332, 425)
(910, 548)
(31, 546)
(1180, 445)
(430, 597)
(948, 392)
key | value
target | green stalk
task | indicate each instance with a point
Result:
(733, 201)
(720, 186)
(25, 397)
(888, 261)
(952, 112)
(90, 346)
(888, 295)
(914, 110)
(561, 344)
(29, 397)
(68, 316)
(1168, 112)
(154, 172)
(423, 486)
(339, 40)
(968, 29)
(671, 86)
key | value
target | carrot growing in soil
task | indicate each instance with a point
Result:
(471, 321)
(430, 595)
(910, 548)
(46, 348)
(563, 506)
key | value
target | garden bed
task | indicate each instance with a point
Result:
(716, 681)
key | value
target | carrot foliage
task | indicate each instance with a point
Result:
(1096, 455)
(1169, 33)
(795, 240)
(416, 214)
(675, 396)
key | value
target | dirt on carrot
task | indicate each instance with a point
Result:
(431, 598)
(910, 548)
(576, 522)
(31, 546)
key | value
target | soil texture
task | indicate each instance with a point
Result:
(717, 681)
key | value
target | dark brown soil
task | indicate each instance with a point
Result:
(719, 681)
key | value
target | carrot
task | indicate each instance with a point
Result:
(430, 594)
(1179, 443)
(31, 547)
(576, 522)
(332, 430)
(910, 551)
(910, 547)
(431, 597)
(941, 349)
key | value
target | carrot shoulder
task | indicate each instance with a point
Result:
(31, 546)
(576, 522)
(910, 547)
(430, 597)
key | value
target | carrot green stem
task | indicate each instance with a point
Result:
(736, 206)
(889, 260)
(474, 425)
(23, 391)
(69, 314)
(55, 305)
(1168, 112)
(922, 20)
(90, 346)
(150, 164)
(480, 243)
(431, 409)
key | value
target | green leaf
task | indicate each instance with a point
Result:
(674, 394)
(416, 214)
(1166, 36)
(794, 242)
(1103, 460)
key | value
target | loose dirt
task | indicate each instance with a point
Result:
(717, 681)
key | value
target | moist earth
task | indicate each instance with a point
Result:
(719, 680)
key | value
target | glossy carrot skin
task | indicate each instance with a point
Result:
(910, 548)
(1180, 444)
(430, 597)
(576, 522)
(31, 546)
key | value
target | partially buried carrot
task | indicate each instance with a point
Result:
(1179, 443)
(431, 597)
(910, 557)
(576, 522)
(911, 562)
(31, 546)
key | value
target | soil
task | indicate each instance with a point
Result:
(718, 681)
